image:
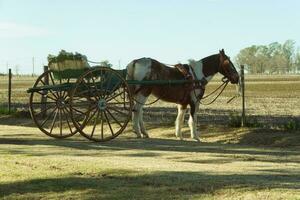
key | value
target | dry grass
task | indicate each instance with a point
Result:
(34, 166)
(272, 100)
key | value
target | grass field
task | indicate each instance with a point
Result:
(229, 163)
(270, 99)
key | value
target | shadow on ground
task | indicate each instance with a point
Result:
(166, 185)
(223, 151)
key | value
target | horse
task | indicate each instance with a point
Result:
(183, 94)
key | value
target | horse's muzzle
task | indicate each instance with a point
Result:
(234, 79)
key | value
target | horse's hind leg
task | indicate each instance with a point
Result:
(179, 121)
(142, 126)
(193, 120)
(137, 116)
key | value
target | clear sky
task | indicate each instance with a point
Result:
(123, 30)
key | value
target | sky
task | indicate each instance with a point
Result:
(170, 31)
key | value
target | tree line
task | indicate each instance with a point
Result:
(275, 58)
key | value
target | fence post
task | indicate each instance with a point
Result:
(243, 96)
(44, 97)
(9, 90)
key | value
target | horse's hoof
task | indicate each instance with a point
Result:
(146, 136)
(138, 136)
(197, 139)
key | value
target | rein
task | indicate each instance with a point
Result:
(224, 84)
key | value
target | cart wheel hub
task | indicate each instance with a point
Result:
(102, 104)
(61, 103)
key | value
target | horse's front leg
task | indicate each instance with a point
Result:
(179, 121)
(193, 121)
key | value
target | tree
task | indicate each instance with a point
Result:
(272, 58)
(17, 68)
(288, 49)
(247, 57)
(297, 62)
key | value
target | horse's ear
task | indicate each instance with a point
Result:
(223, 52)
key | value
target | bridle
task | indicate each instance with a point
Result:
(224, 66)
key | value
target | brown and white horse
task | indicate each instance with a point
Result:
(150, 69)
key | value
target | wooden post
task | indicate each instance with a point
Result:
(243, 96)
(44, 97)
(9, 90)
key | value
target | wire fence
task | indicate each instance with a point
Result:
(270, 101)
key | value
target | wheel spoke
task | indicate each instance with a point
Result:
(95, 123)
(60, 122)
(49, 89)
(48, 117)
(95, 85)
(102, 125)
(53, 122)
(118, 103)
(113, 89)
(43, 111)
(111, 130)
(66, 117)
(118, 111)
(115, 96)
(46, 96)
(39, 103)
(79, 111)
(114, 118)
(88, 120)
(108, 84)
(52, 80)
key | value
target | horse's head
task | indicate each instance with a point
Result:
(227, 68)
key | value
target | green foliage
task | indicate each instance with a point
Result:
(5, 111)
(236, 121)
(105, 63)
(274, 58)
(63, 55)
(292, 125)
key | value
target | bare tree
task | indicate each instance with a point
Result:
(17, 68)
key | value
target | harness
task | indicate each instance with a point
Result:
(192, 84)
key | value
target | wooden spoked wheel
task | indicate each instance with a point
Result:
(110, 104)
(49, 106)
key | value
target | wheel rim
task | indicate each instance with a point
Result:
(109, 104)
(50, 109)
